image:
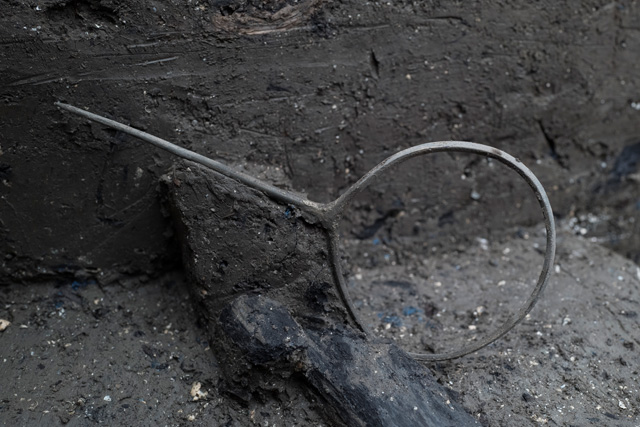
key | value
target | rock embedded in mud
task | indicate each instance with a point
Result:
(262, 278)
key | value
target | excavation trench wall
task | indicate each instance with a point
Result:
(311, 95)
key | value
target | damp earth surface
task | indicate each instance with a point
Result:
(98, 321)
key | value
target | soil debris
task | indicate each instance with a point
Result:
(196, 391)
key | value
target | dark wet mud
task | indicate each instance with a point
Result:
(135, 352)
(98, 321)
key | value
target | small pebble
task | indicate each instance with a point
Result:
(484, 243)
(107, 398)
(4, 324)
(196, 391)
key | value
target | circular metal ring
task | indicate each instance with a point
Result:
(335, 209)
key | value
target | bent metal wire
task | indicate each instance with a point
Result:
(330, 213)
